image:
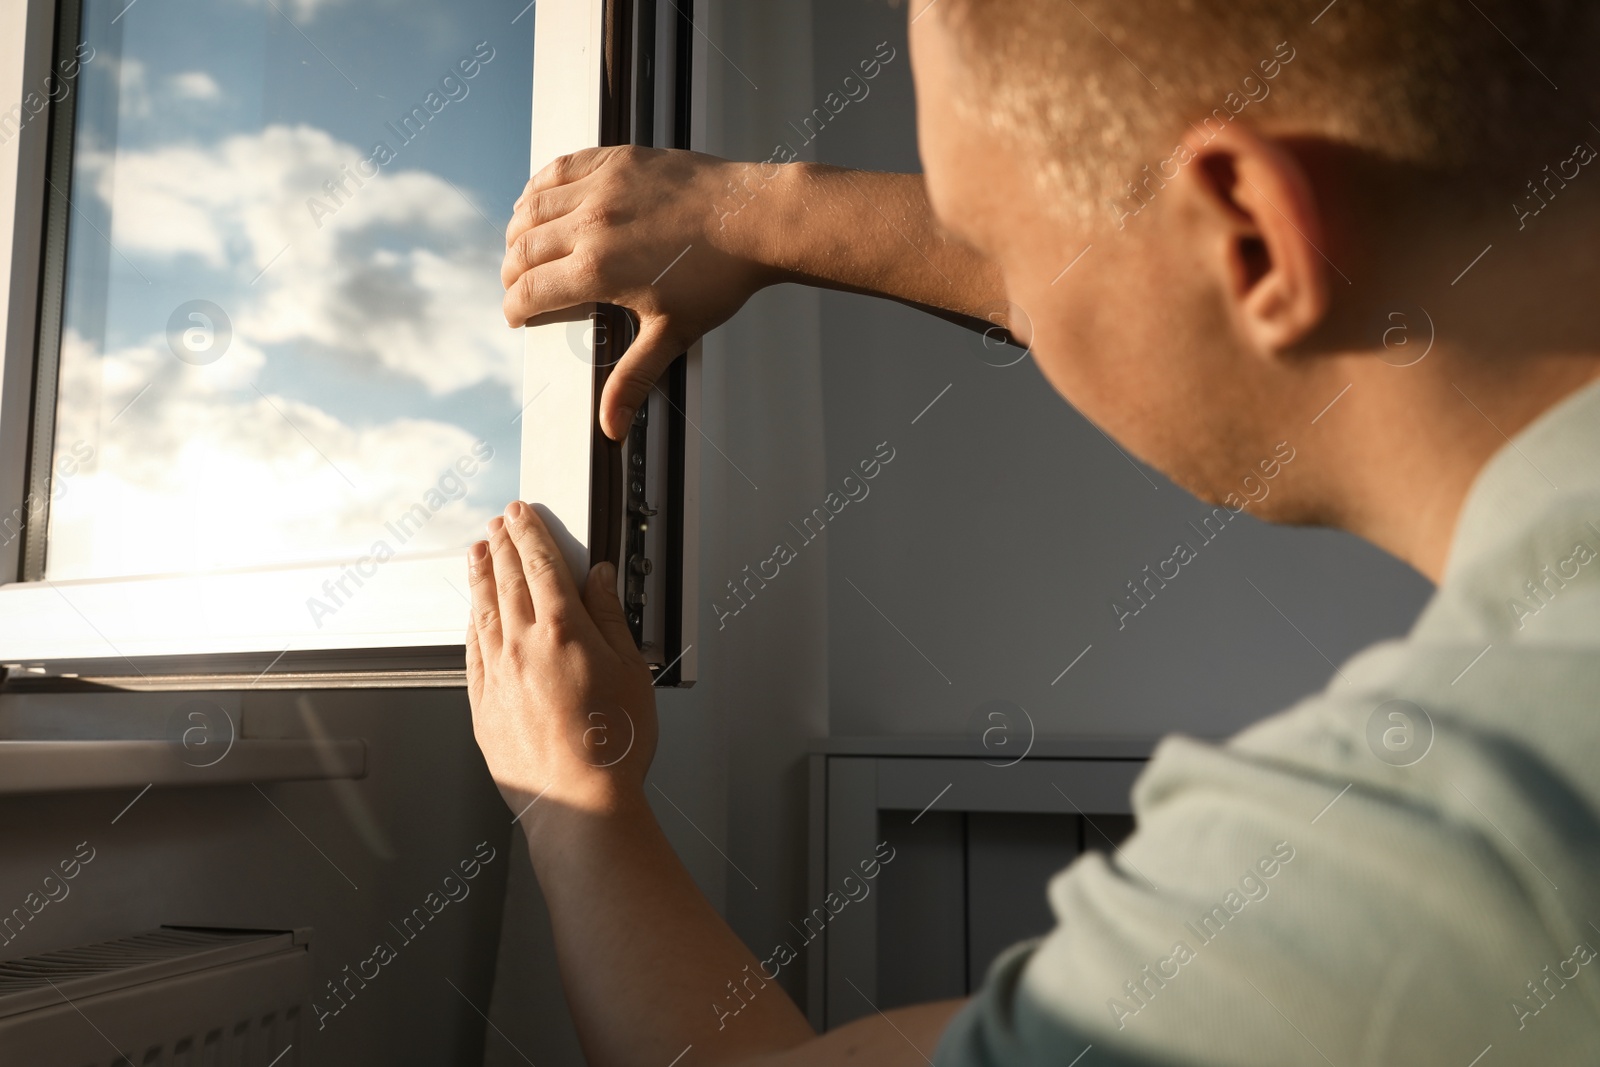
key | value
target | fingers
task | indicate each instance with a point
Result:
(474, 661)
(564, 170)
(485, 601)
(511, 586)
(629, 383)
(600, 597)
(555, 597)
(534, 211)
(564, 283)
(534, 248)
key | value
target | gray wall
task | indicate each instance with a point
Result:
(1007, 523)
(346, 858)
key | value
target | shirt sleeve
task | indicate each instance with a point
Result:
(991, 1032)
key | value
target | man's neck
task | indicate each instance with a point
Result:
(1406, 452)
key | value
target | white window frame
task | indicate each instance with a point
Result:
(412, 607)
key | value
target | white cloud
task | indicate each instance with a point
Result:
(401, 274)
(203, 473)
(194, 85)
(133, 87)
(196, 470)
(300, 11)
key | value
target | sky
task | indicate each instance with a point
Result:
(365, 350)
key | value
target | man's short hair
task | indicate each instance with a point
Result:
(1484, 93)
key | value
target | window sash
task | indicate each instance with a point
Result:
(412, 603)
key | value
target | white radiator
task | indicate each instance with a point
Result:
(173, 997)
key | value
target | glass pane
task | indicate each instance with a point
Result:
(282, 338)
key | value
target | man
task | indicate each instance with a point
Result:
(1366, 234)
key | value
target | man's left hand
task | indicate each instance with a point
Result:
(562, 702)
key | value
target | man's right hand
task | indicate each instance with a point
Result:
(682, 240)
(639, 228)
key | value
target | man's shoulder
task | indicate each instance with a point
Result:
(1375, 870)
(1416, 836)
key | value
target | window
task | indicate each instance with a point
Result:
(280, 338)
(273, 398)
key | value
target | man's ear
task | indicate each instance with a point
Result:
(1276, 276)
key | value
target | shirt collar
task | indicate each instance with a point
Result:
(1555, 457)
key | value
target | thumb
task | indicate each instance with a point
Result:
(629, 383)
(600, 597)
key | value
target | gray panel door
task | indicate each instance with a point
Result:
(922, 908)
(1010, 859)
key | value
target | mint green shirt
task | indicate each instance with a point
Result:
(1401, 869)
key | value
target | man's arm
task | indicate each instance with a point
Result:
(683, 239)
(564, 711)
(650, 968)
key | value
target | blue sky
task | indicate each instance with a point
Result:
(367, 351)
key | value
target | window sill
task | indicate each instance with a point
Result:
(32, 767)
(244, 621)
